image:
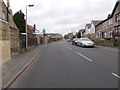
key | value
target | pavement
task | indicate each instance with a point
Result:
(63, 65)
(12, 68)
(110, 49)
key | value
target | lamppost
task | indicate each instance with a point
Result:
(26, 25)
(44, 32)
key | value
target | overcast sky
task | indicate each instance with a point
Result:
(63, 16)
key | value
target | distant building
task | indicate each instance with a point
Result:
(111, 26)
(92, 29)
(87, 29)
(54, 35)
(31, 29)
(93, 24)
(82, 32)
(70, 35)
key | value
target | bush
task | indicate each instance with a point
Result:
(101, 39)
(116, 42)
(107, 38)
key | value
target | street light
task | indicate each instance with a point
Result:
(26, 26)
(44, 32)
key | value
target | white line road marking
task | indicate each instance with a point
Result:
(116, 75)
(69, 48)
(84, 56)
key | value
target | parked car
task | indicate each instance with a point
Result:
(75, 41)
(69, 40)
(85, 42)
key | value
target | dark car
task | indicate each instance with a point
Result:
(69, 40)
(74, 41)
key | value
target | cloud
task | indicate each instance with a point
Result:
(63, 15)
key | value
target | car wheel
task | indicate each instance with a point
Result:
(81, 45)
(72, 43)
(77, 44)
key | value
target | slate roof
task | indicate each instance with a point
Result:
(82, 30)
(88, 25)
(30, 29)
(111, 15)
(95, 22)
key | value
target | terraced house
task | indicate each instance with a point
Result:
(111, 26)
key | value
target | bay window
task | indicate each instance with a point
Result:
(110, 21)
(110, 34)
(117, 30)
(117, 17)
(3, 16)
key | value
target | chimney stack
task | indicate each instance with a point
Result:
(8, 3)
(34, 27)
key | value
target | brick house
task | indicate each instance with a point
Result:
(111, 26)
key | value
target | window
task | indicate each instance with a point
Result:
(110, 21)
(100, 34)
(3, 16)
(105, 34)
(117, 17)
(117, 30)
(110, 34)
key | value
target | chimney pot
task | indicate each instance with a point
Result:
(34, 26)
(8, 3)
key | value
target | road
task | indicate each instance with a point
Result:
(63, 65)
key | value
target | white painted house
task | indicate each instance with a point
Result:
(87, 29)
(93, 24)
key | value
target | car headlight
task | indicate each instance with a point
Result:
(84, 43)
(90, 43)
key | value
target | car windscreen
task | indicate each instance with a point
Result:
(85, 39)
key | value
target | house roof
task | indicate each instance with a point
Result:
(116, 5)
(88, 25)
(111, 15)
(70, 33)
(82, 30)
(95, 22)
(31, 29)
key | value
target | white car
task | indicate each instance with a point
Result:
(85, 42)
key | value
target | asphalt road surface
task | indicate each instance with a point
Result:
(63, 65)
